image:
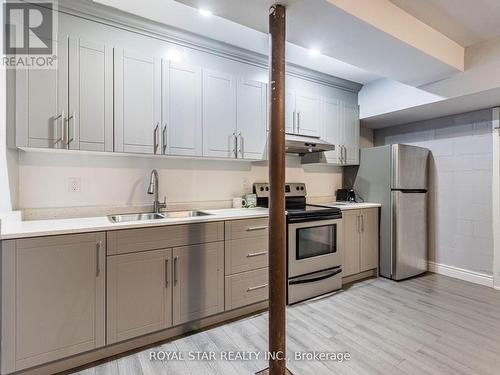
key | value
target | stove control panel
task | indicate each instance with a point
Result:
(294, 189)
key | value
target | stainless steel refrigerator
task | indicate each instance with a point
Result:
(396, 176)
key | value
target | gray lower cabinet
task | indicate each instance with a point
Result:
(53, 298)
(139, 294)
(246, 288)
(361, 241)
(198, 285)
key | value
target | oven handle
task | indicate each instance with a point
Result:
(313, 279)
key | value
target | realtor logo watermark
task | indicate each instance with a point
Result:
(29, 35)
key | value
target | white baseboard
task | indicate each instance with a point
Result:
(462, 274)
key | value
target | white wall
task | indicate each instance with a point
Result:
(460, 193)
(123, 180)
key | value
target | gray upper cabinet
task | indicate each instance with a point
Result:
(42, 103)
(90, 115)
(251, 119)
(182, 109)
(302, 113)
(307, 108)
(234, 116)
(331, 128)
(350, 133)
(219, 114)
(114, 91)
(137, 102)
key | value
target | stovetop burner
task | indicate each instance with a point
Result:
(295, 202)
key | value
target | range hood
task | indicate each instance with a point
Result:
(303, 145)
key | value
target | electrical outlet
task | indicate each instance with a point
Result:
(74, 184)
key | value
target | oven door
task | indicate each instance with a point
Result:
(313, 246)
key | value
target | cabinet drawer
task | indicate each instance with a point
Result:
(246, 254)
(134, 240)
(246, 288)
(247, 228)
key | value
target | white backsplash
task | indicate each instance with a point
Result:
(119, 180)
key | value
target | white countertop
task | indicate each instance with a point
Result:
(12, 226)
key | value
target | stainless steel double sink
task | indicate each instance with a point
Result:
(155, 216)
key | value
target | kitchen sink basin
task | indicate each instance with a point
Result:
(135, 217)
(152, 216)
(181, 214)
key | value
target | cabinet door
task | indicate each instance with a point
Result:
(219, 114)
(331, 128)
(252, 119)
(55, 299)
(308, 114)
(369, 239)
(198, 281)
(42, 103)
(90, 117)
(350, 251)
(290, 112)
(182, 109)
(350, 128)
(139, 294)
(137, 102)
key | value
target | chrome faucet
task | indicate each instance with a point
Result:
(153, 189)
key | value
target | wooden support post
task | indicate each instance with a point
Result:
(277, 220)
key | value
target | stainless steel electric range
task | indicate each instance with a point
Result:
(314, 263)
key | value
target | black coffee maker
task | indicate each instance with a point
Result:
(346, 195)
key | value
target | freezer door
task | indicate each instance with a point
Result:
(409, 234)
(409, 167)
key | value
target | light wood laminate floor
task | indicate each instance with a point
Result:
(428, 325)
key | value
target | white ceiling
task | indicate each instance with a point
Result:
(342, 35)
(466, 22)
(175, 14)
(440, 108)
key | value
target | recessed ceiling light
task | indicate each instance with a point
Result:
(314, 52)
(205, 12)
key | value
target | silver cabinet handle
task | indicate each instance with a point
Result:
(175, 270)
(345, 154)
(261, 227)
(155, 137)
(240, 144)
(293, 122)
(251, 255)
(252, 288)
(362, 223)
(357, 223)
(298, 122)
(166, 273)
(58, 128)
(235, 145)
(98, 258)
(71, 139)
(164, 139)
